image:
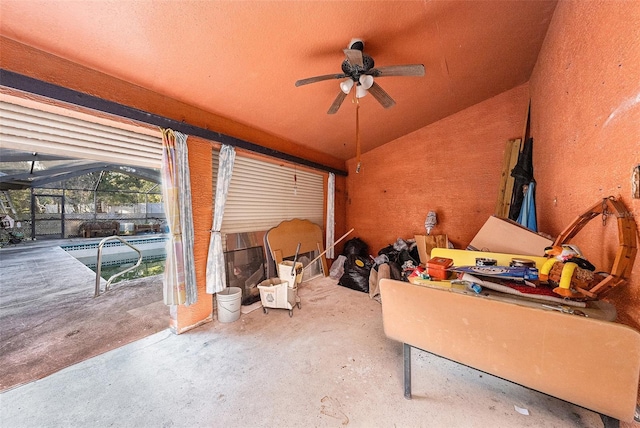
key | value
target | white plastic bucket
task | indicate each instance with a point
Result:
(229, 301)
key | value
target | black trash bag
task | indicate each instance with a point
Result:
(405, 257)
(415, 255)
(355, 246)
(356, 273)
(396, 271)
(390, 252)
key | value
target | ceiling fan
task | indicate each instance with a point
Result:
(359, 71)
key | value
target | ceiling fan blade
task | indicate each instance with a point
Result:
(381, 96)
(337, 103)
(354, 56)
(398, 70)
(320, 79)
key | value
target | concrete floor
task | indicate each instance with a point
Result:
(330, 365)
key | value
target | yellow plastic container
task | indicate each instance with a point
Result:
(285, 274)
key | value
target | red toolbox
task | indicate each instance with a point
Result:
(437, 267)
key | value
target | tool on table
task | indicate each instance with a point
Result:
(566, 310)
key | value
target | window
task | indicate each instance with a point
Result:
(263, 194)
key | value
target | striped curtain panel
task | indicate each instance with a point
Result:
(179, 285)
(216, 274)
(330, 229)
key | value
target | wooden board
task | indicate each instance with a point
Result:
(505, 189)
(501, 235)
(284, 238)
(426, 243)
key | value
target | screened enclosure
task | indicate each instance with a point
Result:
(51, 196)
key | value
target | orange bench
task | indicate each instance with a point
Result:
(504, 339)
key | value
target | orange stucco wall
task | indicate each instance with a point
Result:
(585, 120)
(452, 167)
(200, 156)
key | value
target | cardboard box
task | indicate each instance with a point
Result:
(426, 243)
(500, 235)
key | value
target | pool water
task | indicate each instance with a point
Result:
(148, 267)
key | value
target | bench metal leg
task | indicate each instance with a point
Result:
(407, 371)
(609, 422)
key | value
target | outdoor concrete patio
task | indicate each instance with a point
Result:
(51, 319)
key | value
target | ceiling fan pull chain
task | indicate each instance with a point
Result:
(357, 136)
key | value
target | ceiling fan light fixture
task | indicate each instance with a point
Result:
(366, 81)
(361, 91)
(346, 85)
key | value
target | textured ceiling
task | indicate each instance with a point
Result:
(240, 59)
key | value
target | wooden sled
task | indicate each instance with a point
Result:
(627, 250)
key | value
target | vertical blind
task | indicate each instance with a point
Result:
(263, 194)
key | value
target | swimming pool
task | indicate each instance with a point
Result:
(117, 256)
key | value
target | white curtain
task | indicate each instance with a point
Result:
(216, 277)
(330, 230)
(179, 284)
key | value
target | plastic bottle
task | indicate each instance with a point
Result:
(472, 286)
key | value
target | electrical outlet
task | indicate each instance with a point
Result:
(635, 182)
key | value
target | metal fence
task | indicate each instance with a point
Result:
(63, 213)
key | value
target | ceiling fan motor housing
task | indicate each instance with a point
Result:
(354, 71)
(356, 44)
